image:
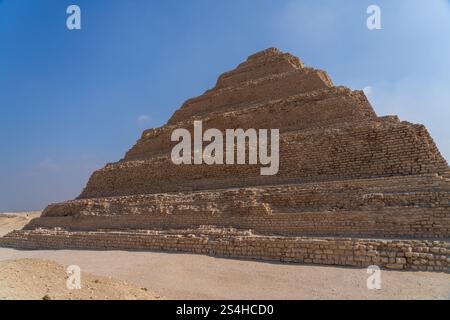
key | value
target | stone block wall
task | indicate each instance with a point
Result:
(392, 254)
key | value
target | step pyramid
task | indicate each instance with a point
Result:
(352, 188)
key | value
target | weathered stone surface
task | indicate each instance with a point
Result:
(344, 173)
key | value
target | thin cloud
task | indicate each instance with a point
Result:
(143, 118)
(49, 165)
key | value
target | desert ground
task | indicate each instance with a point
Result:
(14, 221)
(154, 275)
(40, 279)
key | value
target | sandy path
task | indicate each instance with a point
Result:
(185, 276)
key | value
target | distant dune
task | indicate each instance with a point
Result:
(10, 221)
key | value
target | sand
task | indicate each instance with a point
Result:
(46, 280)
(14, 221)
(188, 276)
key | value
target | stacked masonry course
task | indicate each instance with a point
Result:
(353, 188)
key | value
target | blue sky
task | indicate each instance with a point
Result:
(71, 101)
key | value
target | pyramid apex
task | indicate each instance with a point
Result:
(272, 51)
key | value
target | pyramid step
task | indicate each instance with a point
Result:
(301, 112)
(344, 153)
(389, 222)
